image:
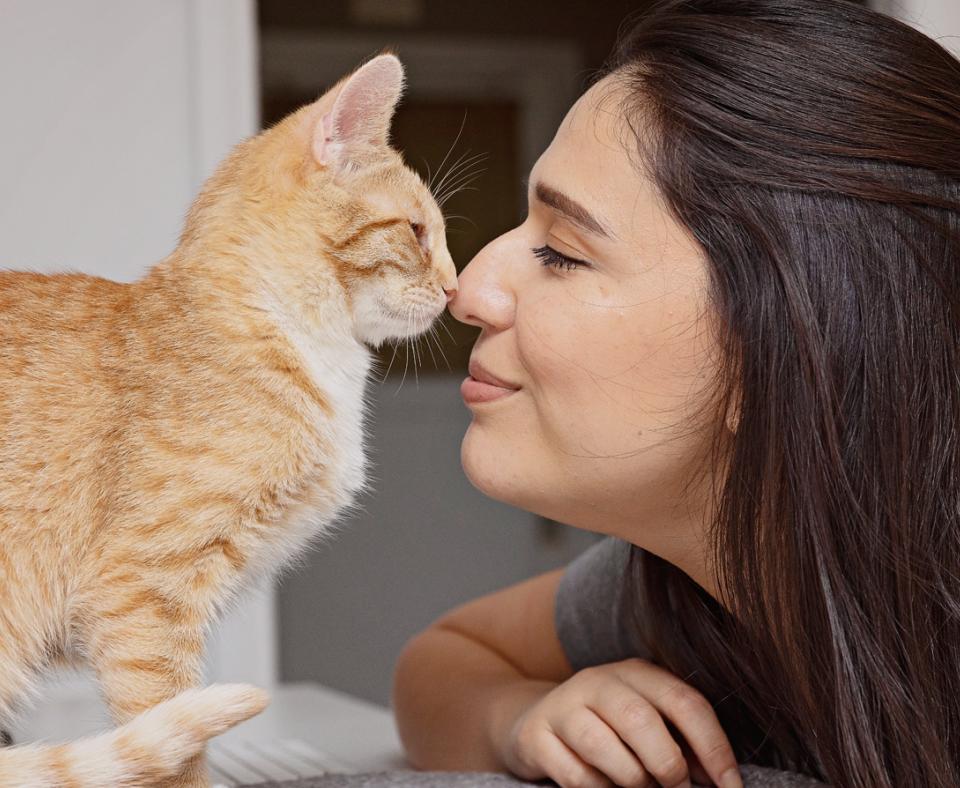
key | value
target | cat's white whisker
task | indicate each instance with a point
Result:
(433, 358)
(459, 163)
(406, 350)
(443, 324)
(465, 189)
(454, 175)
(459, 216)
(459, 186)
(390, 365)
(458, 168)
(466, 162)
(429, 175)
(463, 123)
(435, 337)
(414, 343)
(466, 181)
(405, 360)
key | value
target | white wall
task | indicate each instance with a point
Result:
(939, 19)
(98, 153)
(114, 111)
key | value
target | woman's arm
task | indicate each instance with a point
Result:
(460, 684)
(488, 687)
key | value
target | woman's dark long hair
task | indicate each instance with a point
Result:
(812, 148)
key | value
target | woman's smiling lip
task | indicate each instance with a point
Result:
(482, 386)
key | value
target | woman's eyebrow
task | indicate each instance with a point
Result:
(572, 210)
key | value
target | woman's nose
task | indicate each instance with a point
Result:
(483, 296)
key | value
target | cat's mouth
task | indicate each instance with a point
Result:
(413, 312)
(409, 320)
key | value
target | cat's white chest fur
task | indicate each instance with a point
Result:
(341, 373)
(338, 365)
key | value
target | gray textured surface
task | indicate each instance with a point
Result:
(753, 777)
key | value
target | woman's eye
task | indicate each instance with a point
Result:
(550, 256)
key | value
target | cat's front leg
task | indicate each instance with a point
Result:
(146, 647)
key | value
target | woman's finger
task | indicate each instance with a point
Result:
(638, 723)
(565, 768)
(592, 739)
(691, 713)
(698, 775)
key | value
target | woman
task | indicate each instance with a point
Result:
(727, 337)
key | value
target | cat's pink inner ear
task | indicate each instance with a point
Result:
(322, 139)
(363, 109)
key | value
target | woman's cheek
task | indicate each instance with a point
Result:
(568, 352)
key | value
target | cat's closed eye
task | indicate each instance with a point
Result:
(421, 234)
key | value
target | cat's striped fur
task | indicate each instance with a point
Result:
(162, 442)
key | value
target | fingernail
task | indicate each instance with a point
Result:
(731, 779)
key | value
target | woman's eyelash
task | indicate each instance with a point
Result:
(550, 256)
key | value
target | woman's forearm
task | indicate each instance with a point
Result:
(455, 700)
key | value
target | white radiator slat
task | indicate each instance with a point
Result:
(233, 764)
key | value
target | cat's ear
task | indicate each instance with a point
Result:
(361, 113)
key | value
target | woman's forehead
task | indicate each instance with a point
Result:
(599, 111)
(588, 159)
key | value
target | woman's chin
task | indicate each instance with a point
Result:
(483, 463)
(494, 469)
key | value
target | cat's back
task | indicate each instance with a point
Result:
(56, 323)
(58, 335)
(31, 302)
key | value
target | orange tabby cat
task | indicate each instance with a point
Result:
(163, 441)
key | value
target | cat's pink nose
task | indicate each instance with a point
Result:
(450, 294)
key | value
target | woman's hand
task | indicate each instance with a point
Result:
(606, 725)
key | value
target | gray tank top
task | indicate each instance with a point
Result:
(590, 614)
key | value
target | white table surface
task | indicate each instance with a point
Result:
(360, 734)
